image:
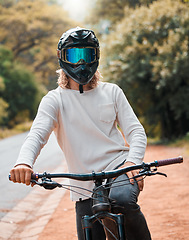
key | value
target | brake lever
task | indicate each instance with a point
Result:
(47, 183)
(160, 173)
(149, 173)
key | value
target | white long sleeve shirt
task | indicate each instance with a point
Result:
(86, 129)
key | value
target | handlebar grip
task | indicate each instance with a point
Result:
(34, 176)
(169, 161)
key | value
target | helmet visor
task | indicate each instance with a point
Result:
(80, 55)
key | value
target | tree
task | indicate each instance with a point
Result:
(112, 10)
(148, 56)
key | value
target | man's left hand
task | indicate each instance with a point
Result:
(131, 174)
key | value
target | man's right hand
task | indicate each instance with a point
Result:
(21, 174)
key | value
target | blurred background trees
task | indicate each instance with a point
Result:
(144, 49)
(28, 62)
(146, 52)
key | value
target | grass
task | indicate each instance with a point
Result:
(20, 128)
(179, 142)
(182, 142)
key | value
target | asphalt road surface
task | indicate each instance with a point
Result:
(10, 193)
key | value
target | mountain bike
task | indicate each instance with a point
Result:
(102, 206)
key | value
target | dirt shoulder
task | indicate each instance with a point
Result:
(164, 202)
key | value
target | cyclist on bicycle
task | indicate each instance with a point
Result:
(84, 113)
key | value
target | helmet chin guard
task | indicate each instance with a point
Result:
(81, 74)
(78, 55)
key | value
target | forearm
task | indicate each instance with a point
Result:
(43, 125)
(31, 148)
(132, 129)
(137, 145)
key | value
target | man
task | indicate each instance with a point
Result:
(84, 113)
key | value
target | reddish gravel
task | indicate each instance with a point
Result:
(164, 202)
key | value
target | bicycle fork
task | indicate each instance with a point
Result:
(87, 222)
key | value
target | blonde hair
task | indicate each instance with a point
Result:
(63, 79)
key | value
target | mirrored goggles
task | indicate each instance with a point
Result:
(79, 55)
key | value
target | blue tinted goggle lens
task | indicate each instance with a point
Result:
(77, 55)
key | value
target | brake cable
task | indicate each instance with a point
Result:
(148, 172)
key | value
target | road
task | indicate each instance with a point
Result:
(11, 193)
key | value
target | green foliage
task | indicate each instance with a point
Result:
(148, 56)
(3, 104)
(19, 93)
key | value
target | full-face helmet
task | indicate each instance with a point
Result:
(78, 54)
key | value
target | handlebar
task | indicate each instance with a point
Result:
(108, 174)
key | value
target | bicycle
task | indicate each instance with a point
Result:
(102, 206)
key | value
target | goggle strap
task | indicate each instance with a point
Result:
(59, 54)
(97, 53)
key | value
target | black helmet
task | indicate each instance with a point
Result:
(78, 54)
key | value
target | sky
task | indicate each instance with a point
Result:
(77, 9)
